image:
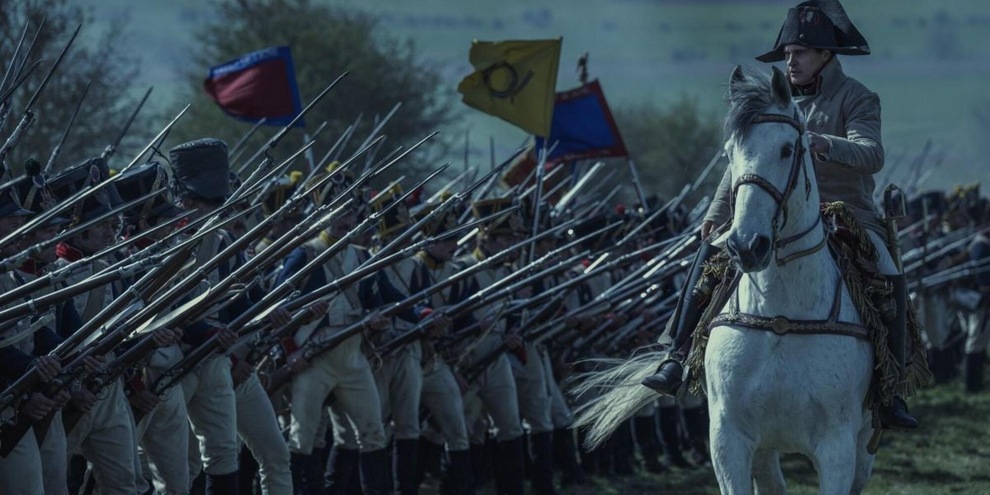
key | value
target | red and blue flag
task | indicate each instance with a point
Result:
(259, 85)
(583, 127)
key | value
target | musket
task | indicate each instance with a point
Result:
(196, 309)
(378, 128)
(574, 191)
(11, 433)
(112, 147)
(489, 181)
(673, 203)
(14, 58)
(273, 142)
(461, 275)
(311, 349)
(28, 116)
(50, 166)
(506, 287)
(376, 262)
(322, 163)
(62, 273)
(238, 147)
(5, 95)
(449, 186)
(639, 186)
(479, 365)
(941, 245)
(20, 258)
(19, 74)
(177, 372)
(84, 192)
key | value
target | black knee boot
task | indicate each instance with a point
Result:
(457, 479)
(670, 419)
(542, 475)
(622, 450)
(691, 304)
(405, 467)
(565, 456)
(649, 444)
(339, 477)
(895, 414)
(509, 467)
(696, 424)
(375, 478)
(247, 469)
(221, 484)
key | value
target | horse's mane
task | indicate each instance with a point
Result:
(747, 98)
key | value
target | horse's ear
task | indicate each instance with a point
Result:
(780, 87)
(737, 76)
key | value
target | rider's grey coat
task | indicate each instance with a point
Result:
(848, 114)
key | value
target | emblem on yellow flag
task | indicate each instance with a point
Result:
(515, 81)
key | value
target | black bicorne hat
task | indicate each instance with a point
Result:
(818, 24)
(200, 170)
(89, 173)
(139, 181)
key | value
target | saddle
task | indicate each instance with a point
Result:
(856, 256)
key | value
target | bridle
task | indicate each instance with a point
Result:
(781, 198)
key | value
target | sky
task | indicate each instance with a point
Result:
(928, 63)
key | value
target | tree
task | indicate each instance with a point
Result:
(671, 145)
(99, 60)
(325, 42)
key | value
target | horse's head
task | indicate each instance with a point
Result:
(766, 147)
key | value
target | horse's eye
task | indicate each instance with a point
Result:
(786, 151)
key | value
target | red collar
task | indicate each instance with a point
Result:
(68, 253)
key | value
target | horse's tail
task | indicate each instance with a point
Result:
(613, 394)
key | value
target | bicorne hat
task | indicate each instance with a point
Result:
(818, 24)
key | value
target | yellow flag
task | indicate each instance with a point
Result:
(514, 80)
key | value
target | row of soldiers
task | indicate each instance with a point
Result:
(947, 258)
(166, 337)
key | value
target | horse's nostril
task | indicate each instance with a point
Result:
(760, 246)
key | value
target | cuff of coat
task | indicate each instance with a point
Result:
(841, 151)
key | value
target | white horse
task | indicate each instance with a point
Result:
(775, 382)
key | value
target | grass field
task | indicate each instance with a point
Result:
(948, 454)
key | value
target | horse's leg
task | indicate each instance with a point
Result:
(732, 455)
(864, 460)
(836, 467)
(767, 475)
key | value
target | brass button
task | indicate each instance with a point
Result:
(779, 325)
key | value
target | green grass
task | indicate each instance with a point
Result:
(947, 455)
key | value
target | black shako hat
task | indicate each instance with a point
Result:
(89, 173)
(819, 24)
(142, 180)
(200, 170)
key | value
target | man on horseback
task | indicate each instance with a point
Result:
(843, 122)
